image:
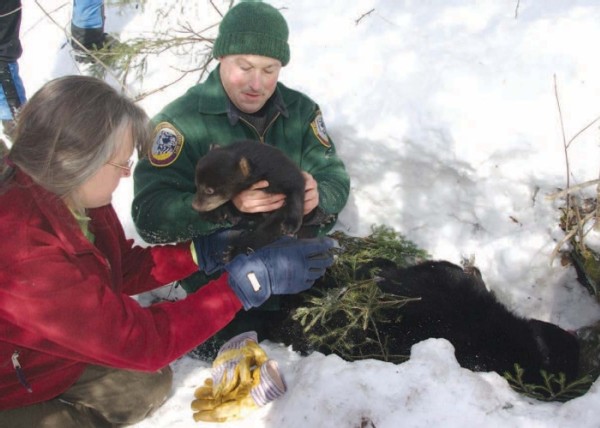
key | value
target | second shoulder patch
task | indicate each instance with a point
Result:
(318, 127)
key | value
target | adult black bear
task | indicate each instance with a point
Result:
(486, 336)
(226, 171)
(449, 303)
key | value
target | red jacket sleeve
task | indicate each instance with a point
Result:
(67, 299)
(72, 314)
(137, 269)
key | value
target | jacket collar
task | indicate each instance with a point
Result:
(273, 106)
(53, 208)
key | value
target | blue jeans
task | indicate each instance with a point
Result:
(87, 24)
(13, 83)
(88, 13)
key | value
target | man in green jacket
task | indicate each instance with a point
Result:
(241, 99)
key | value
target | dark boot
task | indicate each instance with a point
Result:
(90, 40)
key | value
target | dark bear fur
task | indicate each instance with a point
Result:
(486, 336)
(228, 170)
(456, 306)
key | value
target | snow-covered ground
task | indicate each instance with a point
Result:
(446, 115)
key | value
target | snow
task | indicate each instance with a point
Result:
(446, 115)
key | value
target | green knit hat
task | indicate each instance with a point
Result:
(253, 28)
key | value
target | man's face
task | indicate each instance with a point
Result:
(249, 80)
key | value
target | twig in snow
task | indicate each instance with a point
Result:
(363, 15)
(579, 186)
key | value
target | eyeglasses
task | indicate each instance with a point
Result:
(127, 168)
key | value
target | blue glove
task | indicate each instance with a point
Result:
(287, 266)
(212, 251)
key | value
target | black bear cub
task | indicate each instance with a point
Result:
(226, 171)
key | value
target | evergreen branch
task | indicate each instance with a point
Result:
(554, 387)
(382, 346)
(344, 315)
(121, 60)
(68, 36)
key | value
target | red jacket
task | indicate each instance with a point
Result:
(64, 302)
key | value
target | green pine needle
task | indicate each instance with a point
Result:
(343, 315)
(554, 387)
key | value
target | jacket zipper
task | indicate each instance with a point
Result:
(19, 370)
(261, 137)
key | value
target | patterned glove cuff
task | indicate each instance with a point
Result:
(272, 384)
(239, 341)
(228, 366)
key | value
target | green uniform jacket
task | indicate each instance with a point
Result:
(164, 183)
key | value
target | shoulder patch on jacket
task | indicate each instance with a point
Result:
(167, 145)
(318, 127)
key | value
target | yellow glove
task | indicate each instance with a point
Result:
(266, 385)
(234, 363)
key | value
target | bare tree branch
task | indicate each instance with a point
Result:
(573, 221)
(597, 222)
(582, 130)
(564, 138)
(364, 15)
(147, 94)
(570, 235)
(571, 189)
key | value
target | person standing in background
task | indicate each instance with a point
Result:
(87, 34)
(12, 91)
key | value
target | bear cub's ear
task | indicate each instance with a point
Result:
(213, 146)
(244, 165)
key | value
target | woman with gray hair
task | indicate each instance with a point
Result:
(75, 349)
